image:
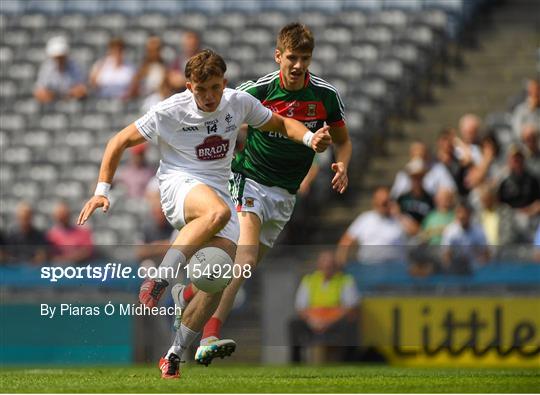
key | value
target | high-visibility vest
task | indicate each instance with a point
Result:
(325, 294)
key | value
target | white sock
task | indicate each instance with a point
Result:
(173, 259)
(183, 339)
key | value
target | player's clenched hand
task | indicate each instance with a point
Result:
(94, 203)
(340, 180)
(321, 139)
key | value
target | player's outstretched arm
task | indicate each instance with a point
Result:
(127, 137)
(343, 152)
(297, 131)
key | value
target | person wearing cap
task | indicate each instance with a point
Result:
(415, 204)
(59, 77)
(136, 175)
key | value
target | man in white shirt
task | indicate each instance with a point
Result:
(378, 233)
(195, 132)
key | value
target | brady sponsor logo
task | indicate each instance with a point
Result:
(212, 148)
(190, 129)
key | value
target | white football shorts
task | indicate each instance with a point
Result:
(173, 190)
(273, 205)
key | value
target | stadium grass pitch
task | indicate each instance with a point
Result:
(263, 379)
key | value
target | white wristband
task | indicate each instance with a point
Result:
(102, 189)
(307, 138)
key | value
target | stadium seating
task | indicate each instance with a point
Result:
(375, 53)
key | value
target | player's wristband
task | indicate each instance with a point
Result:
(102, 189)
(307, 138)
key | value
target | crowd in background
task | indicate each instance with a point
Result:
(466, 204)
(113, 76)
(472, 192)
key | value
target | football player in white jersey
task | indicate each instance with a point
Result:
(195, 132)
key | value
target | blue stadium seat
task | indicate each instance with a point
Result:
(367, 5)
(285, 6)
(206, 6)
(133, 7)
(85, 7)
(165, 7)
(408, 5)
(328, 6)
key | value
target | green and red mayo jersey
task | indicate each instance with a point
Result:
(272, 159)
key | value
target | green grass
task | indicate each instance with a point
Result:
(291, 379)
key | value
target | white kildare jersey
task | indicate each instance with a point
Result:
(197, 143)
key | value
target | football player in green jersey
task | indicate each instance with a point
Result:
(269, 170)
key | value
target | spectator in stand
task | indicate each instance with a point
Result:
(464, 243)
(136, 175)
(191, 45)
(536, 253)
(378, 233)
(436, 177)
(155, 236)
(491, 167)
(111, 76)
(26, 243)
(495, 218)
(150, 75)
(436, 221)
(71, 245)
(417, 203)
(529, 110)
(327, 304)
(446, 155)
(529, 139)
(521, 191)
(59, 77)
(467, 146)
(3, 252)
(165, 90)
